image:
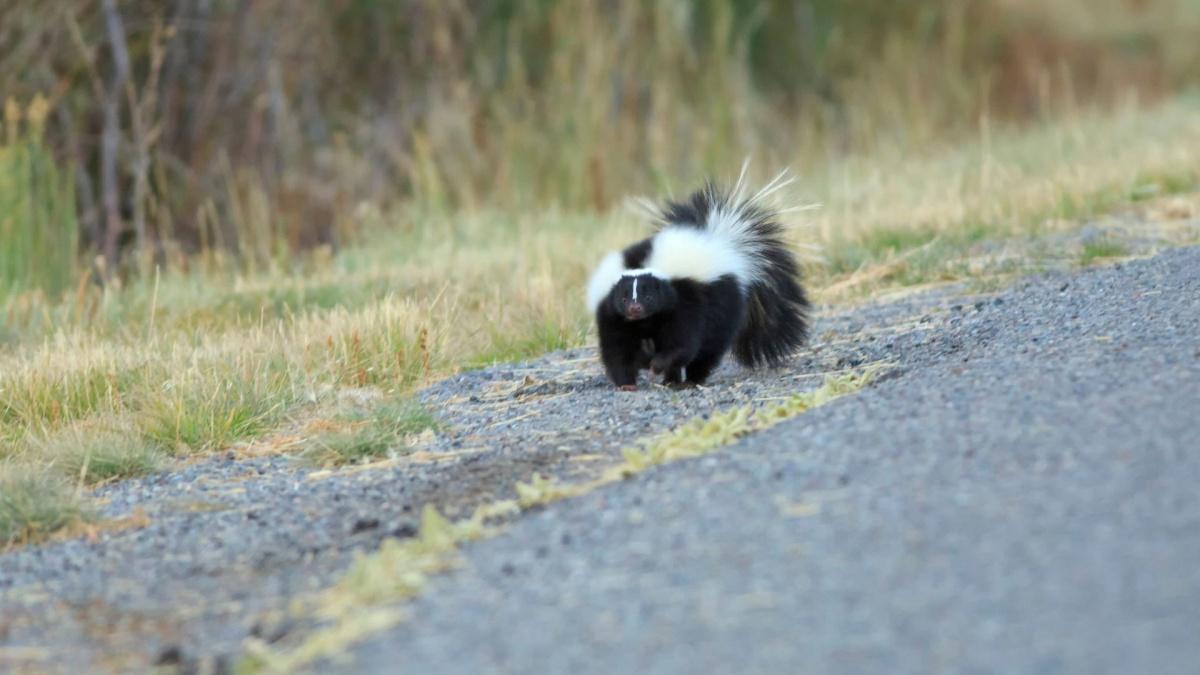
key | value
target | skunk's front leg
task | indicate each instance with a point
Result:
(623, 373)
(621, 353)
(622, 367)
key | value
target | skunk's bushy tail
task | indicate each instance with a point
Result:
(776, 318)
(776, 321)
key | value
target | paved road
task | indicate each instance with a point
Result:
(1023, 497)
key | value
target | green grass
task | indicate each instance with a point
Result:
(539, 335)
(364, 435)
(34, 504)
(38, 228)
(45, 391)
(1101, 249)
(1149, 187)
(207, 410)
(98, 452)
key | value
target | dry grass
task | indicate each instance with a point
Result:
(896, 220)
(191, 361)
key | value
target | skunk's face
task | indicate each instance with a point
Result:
(641, 296)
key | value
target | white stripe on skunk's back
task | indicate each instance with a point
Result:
(682, 252)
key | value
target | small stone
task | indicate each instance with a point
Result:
(171, 655)
(404, 531)
(364, 524)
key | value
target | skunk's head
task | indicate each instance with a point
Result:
(641, 295)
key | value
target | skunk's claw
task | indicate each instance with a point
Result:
(627, 387)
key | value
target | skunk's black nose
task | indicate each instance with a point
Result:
(634, 310)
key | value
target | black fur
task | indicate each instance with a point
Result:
(776, 314)
(683, 331)
(682, 328)
(635, 256)
(776, 306)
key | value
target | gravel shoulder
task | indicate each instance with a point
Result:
(882, 477)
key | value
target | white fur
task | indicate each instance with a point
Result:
(726, 246)
(607, 274)
(642, 271)
(684, 252)
(681, 252)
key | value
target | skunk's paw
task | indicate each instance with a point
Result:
(627, 387)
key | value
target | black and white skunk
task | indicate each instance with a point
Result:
(717, 275)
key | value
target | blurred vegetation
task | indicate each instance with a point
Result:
(37, 208)
(264, 127)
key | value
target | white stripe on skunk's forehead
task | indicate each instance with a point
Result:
(684, 252)
(607, 274)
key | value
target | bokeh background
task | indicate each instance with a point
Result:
(268, 127)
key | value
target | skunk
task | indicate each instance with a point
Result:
(715, 276)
